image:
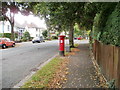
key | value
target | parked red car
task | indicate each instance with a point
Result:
(6, 42)
(79, 38)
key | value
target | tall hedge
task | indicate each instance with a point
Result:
(111, 34)
(96, 27)
(106, 27)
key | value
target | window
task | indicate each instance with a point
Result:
(36, 29)
(7, 39)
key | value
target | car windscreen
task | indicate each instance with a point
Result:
(36, 38)
(1, 39)
(7, 39)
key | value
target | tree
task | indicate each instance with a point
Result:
(41, 10)
(77, 32)
(9, 9)
(61, 14)
(26, 36)
(45, 33)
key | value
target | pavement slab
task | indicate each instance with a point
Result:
(82, 73)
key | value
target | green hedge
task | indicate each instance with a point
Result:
(96, 27)
(8, 35)
(54, 37)
(106, 26)
(111, 34)
(1, 35)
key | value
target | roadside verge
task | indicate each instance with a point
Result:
(22, 82)
(51, 74)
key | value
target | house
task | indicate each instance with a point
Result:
(5, 27)
(19, 29)
(32, 28)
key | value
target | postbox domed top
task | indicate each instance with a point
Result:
(61, 35)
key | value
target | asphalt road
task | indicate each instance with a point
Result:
(18, 62)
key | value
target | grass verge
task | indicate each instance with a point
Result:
(52, 75)
(43, 76)
(76, 45)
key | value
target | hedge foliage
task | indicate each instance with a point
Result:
(8, 35)
(106, 26)
(112, 29)
(1, 35)
(26, 36)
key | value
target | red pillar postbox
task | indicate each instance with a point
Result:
(61, 45)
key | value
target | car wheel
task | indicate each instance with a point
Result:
(13, 45)
(3, 46)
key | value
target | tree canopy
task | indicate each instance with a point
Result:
(62, 16)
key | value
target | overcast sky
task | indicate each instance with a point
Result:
(30, 19)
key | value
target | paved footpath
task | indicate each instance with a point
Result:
(82, 73)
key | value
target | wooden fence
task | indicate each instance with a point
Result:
(108, 58)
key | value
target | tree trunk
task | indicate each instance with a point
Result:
(3, 29)
(71, 36)
(11, 21)
(59, 33)
(12, 27)
(65, 32)
(12, 31)
(48, 26)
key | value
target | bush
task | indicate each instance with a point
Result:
(54, 37)
(16, 35)
(24, 39)
(106, 26)
(26, 36)
(96, 27)
(44, 33)
(8, 35)
(111, 34)
(1, 34)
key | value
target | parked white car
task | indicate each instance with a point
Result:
(38, 39)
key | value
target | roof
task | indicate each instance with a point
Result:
(32, 25)
(19, 25)
(25, 24)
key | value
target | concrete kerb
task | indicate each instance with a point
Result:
(22, 82)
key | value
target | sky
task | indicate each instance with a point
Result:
(30, 19)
